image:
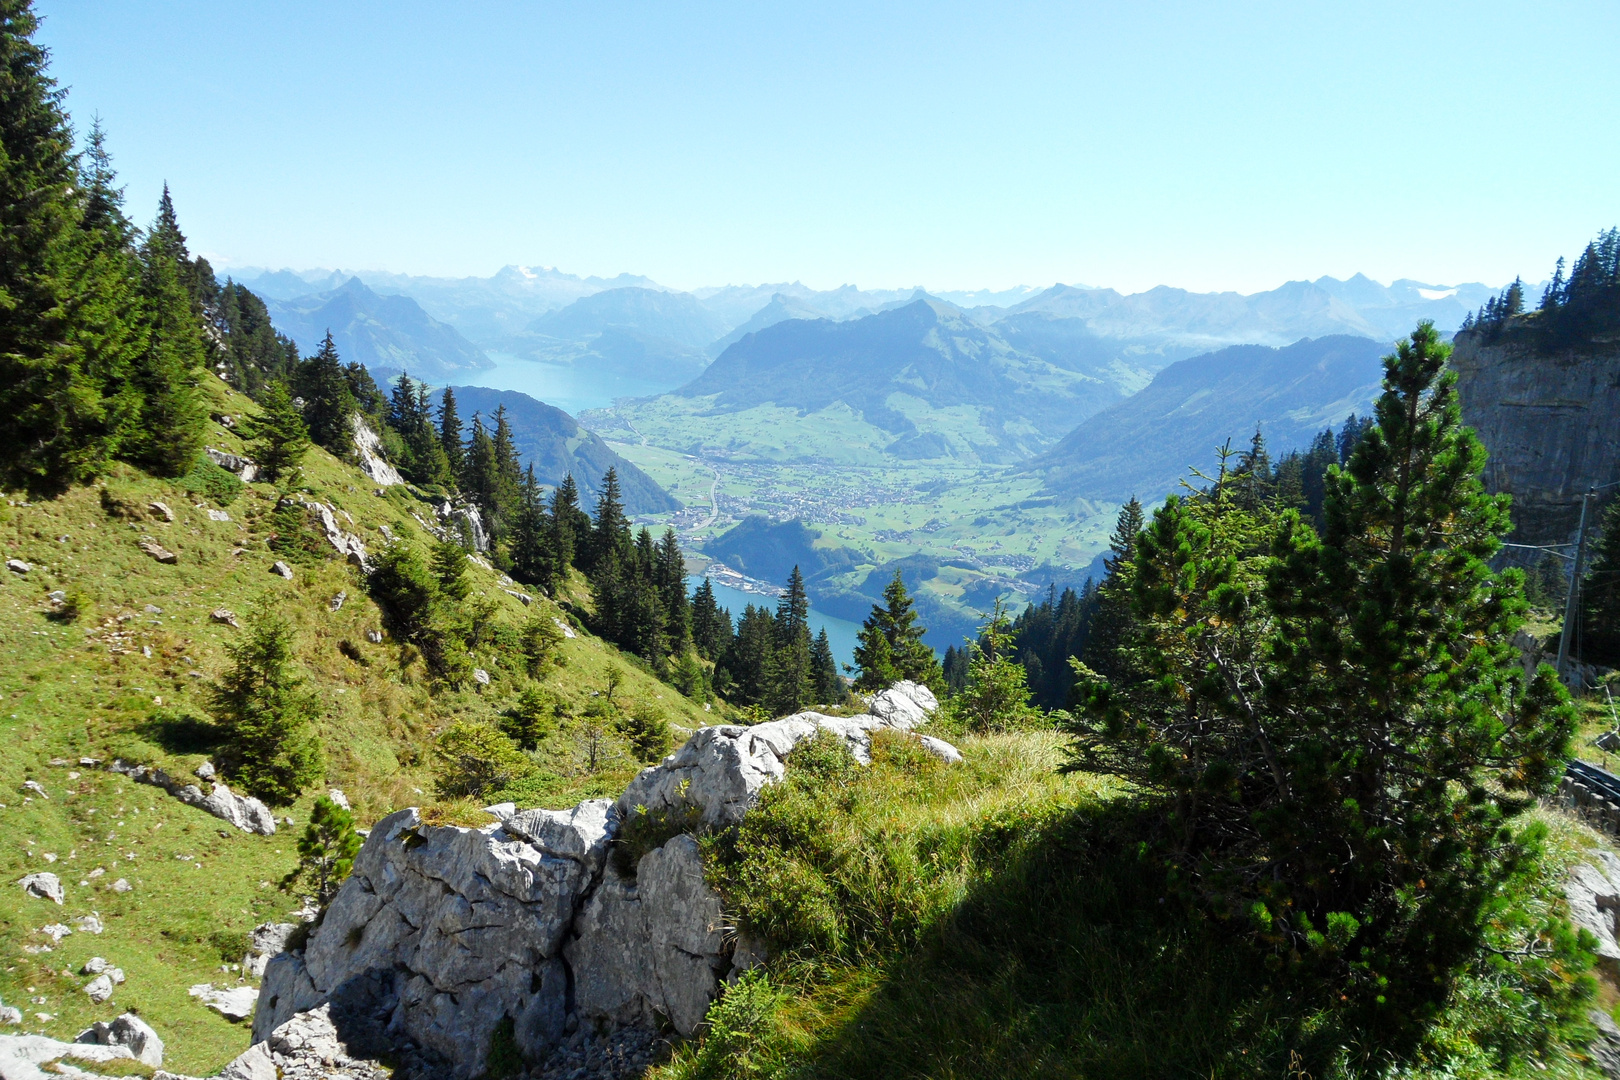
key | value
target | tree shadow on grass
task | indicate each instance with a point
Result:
(1072, 962)
(181, 732)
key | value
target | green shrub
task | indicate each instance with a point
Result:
(532, 719)
(647, 732)
(207, 480)
(268, 716)
(649, 829)
(472, 758)
(505, 1059)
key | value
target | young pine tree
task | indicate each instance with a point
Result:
(280, 438)
(1347, 711)
(995, 695)
(326, 851)
(270, 748)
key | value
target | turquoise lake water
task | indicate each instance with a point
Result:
(840, 632)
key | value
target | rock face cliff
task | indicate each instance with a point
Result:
(444, 936)
(1550, 418)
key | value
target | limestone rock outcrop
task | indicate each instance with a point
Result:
(1545, 414)
(447, 935)
(243, 811)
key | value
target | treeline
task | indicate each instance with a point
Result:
(1080, 624)
(1571, 305)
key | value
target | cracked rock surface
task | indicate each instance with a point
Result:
(445, 939)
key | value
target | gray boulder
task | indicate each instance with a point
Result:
(1593, 891)
(128, 1031)
(246, 813)
(44, 885)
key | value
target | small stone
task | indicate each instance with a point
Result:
(226, 616)
(568, 631)
(94, 966)
(218, 515)
(234, 1002)
(122, 885)
(56, 931)
(130, 1032)
(89, 762)
(146, 651)
(374, 636)
(338, 797)
(88, 924)
(522, 597)
(206, 770)
(153, 609)
(45, 886)
(480, 676)
(9, 1015)
(17, 566)
(56, 596)
(99, 988)
(33, 785)
(337, 601)
(159, 552)
(161, 510)
(281, 569)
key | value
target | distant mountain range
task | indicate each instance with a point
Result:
(557, 445)
(939, 382)
(1145, 445)
(388, 334)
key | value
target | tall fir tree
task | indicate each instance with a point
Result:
(533, 561)
(610, 531)
(167, 433)
(1114, 624)
(789, 677)
(670, 578)
(711, 624)
(329, 405)
(455, 454)
(826, 687)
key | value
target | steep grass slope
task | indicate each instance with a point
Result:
(129, 677)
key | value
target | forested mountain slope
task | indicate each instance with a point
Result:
(556, 445)
(1144, 445)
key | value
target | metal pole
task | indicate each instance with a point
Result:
(1572, 597)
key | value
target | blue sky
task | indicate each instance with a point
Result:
(1210, 146)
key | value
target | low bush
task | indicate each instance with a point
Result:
(473, 758)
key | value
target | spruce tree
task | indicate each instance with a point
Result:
(902, 653)
(450, 570)
(68, 329)
(481, 474)
(610, 531)
(329, 406)
(168, 430)
(670, 579)
(711, 624)
(455, 455)
(826, 687)
(270, 748)
(789, 676)
(533, 562)
(995, 695)
(1114, 624)
(748, 656)
(280, 438)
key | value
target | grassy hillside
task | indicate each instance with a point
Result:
(995, 920)
(88, 688)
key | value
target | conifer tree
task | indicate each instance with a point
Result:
(533, 562)
(450, 569)
(508, 468)
(610, 531)
(669, 576)
(995, 695)
(455, 455)
(902, 654)
(1114, 624)
(1363, 726)
(103, 198)
(480, 476)
(329, 406)
(711, 624)
(326, 851)
(167, 432)
(267, 714)
(748, 657)
(826, 687)
(280, 438)
(789, 677)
